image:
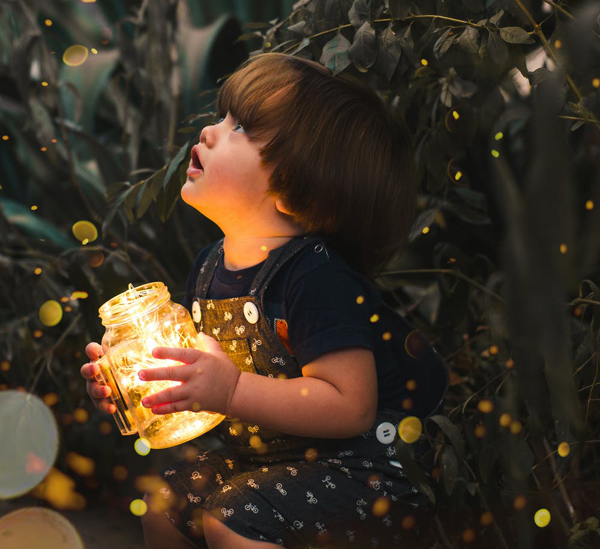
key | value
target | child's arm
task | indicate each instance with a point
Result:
(336, 398)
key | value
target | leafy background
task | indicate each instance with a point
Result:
(501, 271)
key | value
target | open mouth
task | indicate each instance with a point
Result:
(195, 168)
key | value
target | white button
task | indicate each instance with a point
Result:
(396, 464)
(385, 433)
(251, 312)
(196, 313)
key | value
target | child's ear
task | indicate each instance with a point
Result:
(281, 207)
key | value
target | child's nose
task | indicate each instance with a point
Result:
(207, 136)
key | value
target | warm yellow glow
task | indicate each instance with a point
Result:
(5, 138)
(557, 44)
(596, 82)
(84, 230)
(304, 391)
(589, 205)
(58, 489)
(520, 503)
(505, 420)
(50, 313)
(263, 248)
(469, 535)
(480, 431)
(498, 136)
(44, 84)
(411, 384)
(374, 318)
(410, 429)
(495, 153)
(34, 208)
(386, 336)
(542, 518)
(50, 399)
(138, 507)
(425, 230)
(142, 446)
(81, 415)
(37, 333)
(360, 299)
(408, 522)
(48, 22)
(82, 465)
(486, 519)
(37, 271)
(75, 55)
(564, 449)
(494, 349)
(516, 427)
(105, 428)
(53, 141)
(5, 365)
(79, 295)
(381, 506)
(455, 115)
(563, 249)
(458, 175)
(120, 473)
(88, 1)
(94, 51)
(424, 62)
(485, 406)
(510, 363)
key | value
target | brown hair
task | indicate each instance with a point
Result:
(340, 164)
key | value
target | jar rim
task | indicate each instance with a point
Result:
(133, 302)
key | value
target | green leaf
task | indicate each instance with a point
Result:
(497, 49)
(150, 189)
(359, 13)
(469, 40)
(363, 51)
(539, 75)
(175, 162)
(390, 50)
(515, 35)
(487, 458)
(335, 54)
(412, 471)
(449, 466)
(425, 219)
(130, 200)
(297, 27)
(398, 8)
(256, 26)
(443, 43)
(452, 433)
(305, 42)
(495, 19)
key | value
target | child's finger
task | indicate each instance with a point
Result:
(93, 351)
(187, 356)
(167, 373)
(172, 394)
(107, 407)
(208, 344)
(90, 370)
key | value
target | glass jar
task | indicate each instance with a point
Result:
(136, 322)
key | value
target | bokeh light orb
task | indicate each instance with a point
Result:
(50, 313)
(33, 527)
(542, 518)
(138, 507)
(75, 55)
(85, 230)
(29, 442)
(410, 429)
(142, 446)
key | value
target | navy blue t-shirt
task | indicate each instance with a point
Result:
(315, 310)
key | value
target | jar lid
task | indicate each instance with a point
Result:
(136, 301)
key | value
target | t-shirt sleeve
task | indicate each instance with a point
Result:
(328, 309)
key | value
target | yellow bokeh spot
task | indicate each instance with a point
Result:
(505, 420)
(387, 336)
(263, 248)
(50, 313)
(138, 507)
(498, 136)
(510, 363)
(64, 299)
(58, 489)
(142, 446)
(596, 82)
(557, 44)
(563, 249)
(75, 55)
(37, 271)
(494, 349)
(407, 404)
(48, 22)
(564, 449)
(84, 230)
(458, 175)
(50, 399)
(411, 384)
(5, 366)
(485, 406)
(424, 62)
(381, 506)
(360, 299)
(119, 472)
(374, 318)
(486, 519)
(304, 391)
(469, 535)
(311, 455)
(89, 1)
(38, 333)
(542, 518)
(79, 295)
(81, 415)
(82, 465)
(455, 115)
(105, 428)
(408, 522)
(425, 230)
(255, 442)
(53, 141)
(44, 84)
(589, 205)
(495, 153)
(94, 51)
(480, 431)
(410, 429)
(33, 208)
(516, 427)
(5, 138)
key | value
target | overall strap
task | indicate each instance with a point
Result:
(208, 269)
(276, 259)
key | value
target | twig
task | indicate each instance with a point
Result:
(561, 486)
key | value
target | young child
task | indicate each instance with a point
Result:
(313, 186)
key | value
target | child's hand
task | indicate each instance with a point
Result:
(97, 392)
(208, 379)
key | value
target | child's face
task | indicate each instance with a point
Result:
(226, 181)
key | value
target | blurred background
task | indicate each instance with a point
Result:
(100, 102)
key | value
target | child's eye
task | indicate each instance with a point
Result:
(239, 128)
